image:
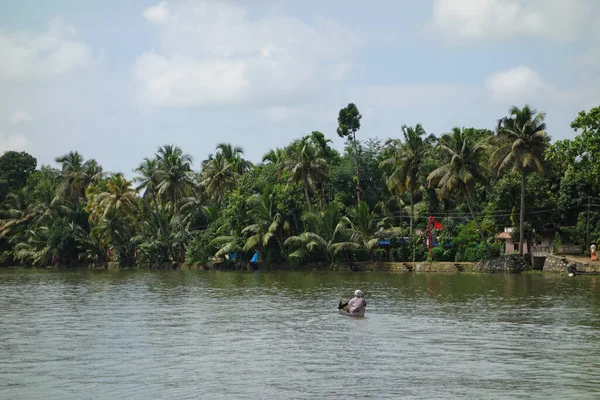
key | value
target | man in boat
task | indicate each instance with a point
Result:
(356, 305)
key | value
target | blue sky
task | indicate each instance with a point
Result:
(114, 80)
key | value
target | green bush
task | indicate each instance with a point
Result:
(380, 255)
(399, 254)
(199, 251)
(439, 253)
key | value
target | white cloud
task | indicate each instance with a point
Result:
(519, 84)
(158, 14)
(216, 52)
(14, 142)
(56, 51)
(180, 82)
(20, 116)
(558, 20)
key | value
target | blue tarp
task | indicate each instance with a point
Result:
(254, 258)
(384, 242)
(232, 256)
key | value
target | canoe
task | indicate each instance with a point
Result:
(346, 313)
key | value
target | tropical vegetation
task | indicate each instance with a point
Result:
(308, 203)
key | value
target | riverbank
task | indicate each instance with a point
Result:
(553, 264)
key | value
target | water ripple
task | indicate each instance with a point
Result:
(176, 334)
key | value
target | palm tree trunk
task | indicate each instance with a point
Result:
(160, 225)
(481, 233)
(306, 194)
(357, 161)
(281, 248)
(412, 217)
(522, 214)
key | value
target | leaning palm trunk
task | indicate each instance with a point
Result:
(357, 159)
(481, 233)
(160, 224)
(307, 195)
(412, 217)
(522, 215)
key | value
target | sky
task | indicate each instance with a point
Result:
(115, 80)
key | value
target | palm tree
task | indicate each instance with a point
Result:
(113, 229)
(359, 227)
(520, 141)
(403, 164)
(268, 223)
(276, 156)
(462, 170)
(174, 174)
(304, 165)
(115, 193)
(320, 234)
(76, 175)
(234, 154)
(218, 178)
(148, 182)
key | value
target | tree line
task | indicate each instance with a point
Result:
(307, 202)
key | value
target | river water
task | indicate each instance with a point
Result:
(229, 335)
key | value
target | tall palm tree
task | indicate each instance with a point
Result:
(276, 156)
(115, 193)
(218, 177)
(403, 164)
(174, 174)
(113, 229)
(520, 141)
(304, 165)
(148, 181)
(462, 170)
(234, 154)
(76, 175)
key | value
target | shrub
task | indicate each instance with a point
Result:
(199, 251)
(380, 255)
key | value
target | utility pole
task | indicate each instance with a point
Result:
(587, 235)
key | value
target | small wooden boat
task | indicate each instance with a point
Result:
(346, 313)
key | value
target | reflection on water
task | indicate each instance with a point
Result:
(224, 335)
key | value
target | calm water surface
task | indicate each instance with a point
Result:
(228, 335)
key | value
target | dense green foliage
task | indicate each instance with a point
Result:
(308, 203)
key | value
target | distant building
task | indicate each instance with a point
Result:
(513, 247)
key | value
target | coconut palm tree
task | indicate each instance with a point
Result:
(462, 170)
(359, 227)
(218, 178)
(115, 193)
(234, 154)
(174, 175)
(114, 230)
(319, 236)
(306, 166)
(76, 175)
(520, 142)
(276, 156)
(269, 225)
(148, 181)
(403, 164)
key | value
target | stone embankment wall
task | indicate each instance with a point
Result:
(512, 263)
(565, 264)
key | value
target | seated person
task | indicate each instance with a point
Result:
(356, 305)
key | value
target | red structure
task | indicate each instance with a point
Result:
(431, 225)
